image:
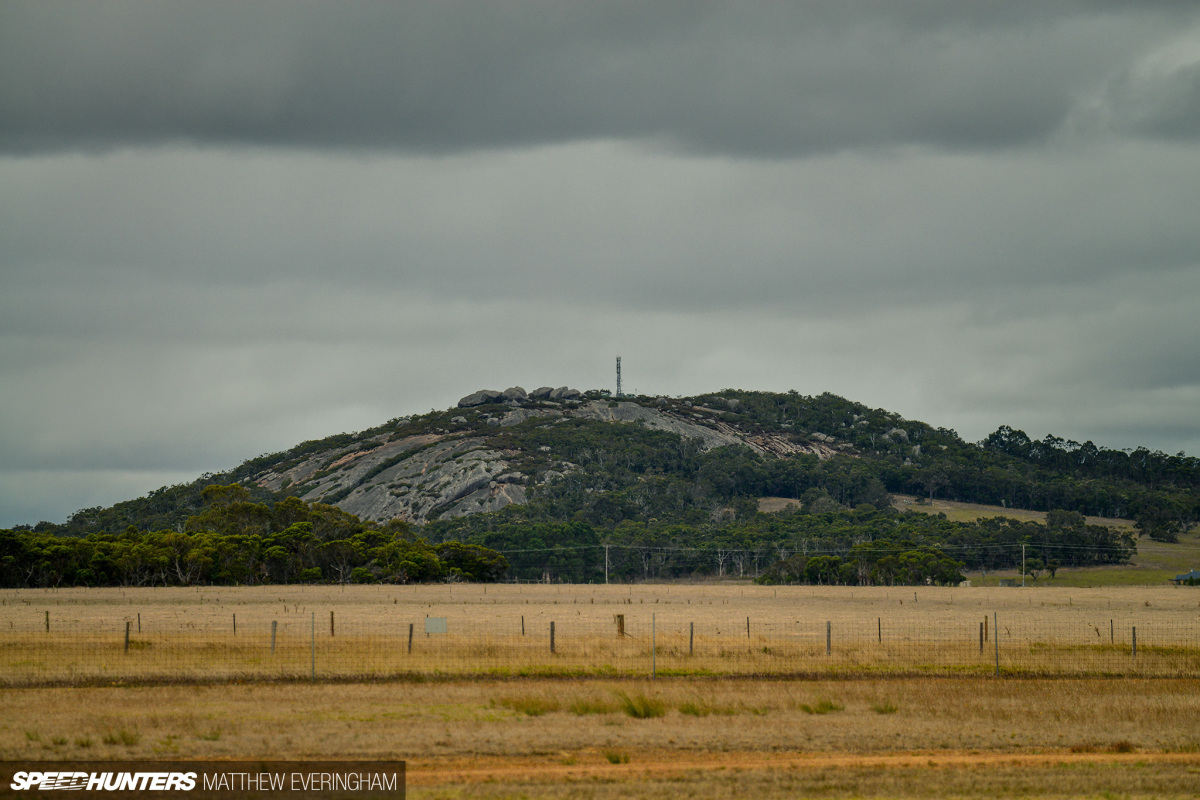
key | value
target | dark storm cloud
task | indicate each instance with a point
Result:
(776, 79)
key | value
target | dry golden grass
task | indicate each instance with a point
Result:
(187, 634)
(498, 738)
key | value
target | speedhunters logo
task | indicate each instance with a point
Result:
(105, 781)
(229, 780)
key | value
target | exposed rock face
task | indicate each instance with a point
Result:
(480, 398)
(455, 472)
(409, 478)
(519, 415)
(632, 412)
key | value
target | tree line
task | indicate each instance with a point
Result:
(818, 542)
(236, 541)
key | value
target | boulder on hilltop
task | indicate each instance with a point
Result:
(480, 398)
(515, 395)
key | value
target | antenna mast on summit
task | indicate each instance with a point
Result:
(618, 376)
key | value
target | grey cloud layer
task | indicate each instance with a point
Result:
(226, 227)
(775, 79)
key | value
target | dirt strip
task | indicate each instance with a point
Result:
(590, 763)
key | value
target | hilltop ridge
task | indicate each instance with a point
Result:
(565, 454)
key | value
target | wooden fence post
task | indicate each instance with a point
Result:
(522, 624)
(331, 623)
(1135, 641)
(691, 638)
(410, 634)
(47, 622)
(747, 627)
(139, 622)
(551, 637)
(126, 636)
(274, 625)
(235, 624)
(996, 640)
(879, 625)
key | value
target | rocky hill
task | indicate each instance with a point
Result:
(565, 456)
(451, 466)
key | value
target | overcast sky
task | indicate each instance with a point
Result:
(226, 228)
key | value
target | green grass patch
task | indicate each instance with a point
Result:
(616, 757)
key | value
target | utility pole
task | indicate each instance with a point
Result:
(618, 376)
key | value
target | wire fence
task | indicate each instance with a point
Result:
(228, 634)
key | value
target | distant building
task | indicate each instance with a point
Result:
(1190, 578)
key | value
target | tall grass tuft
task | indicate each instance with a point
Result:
(529, 706)
(884, 707)
(822, 706)
(583, 707)
(641, 707)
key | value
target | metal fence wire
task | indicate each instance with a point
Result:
(89, 636)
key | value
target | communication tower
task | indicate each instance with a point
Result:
(618, 376)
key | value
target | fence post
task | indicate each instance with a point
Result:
(1112, 636)
(879, 625)
(410, 634)
(139, 622)
(828, 637)
(47, 622)
(1135, 641)
(274, 625)
(522, 624)
(126, 636)
(552, 637)
(996, 640)
(331, 623)
(235, 624)
(691, 637)
(654, 647)
(747, 627)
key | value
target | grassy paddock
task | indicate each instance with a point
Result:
(190, 635)
(695, 737)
